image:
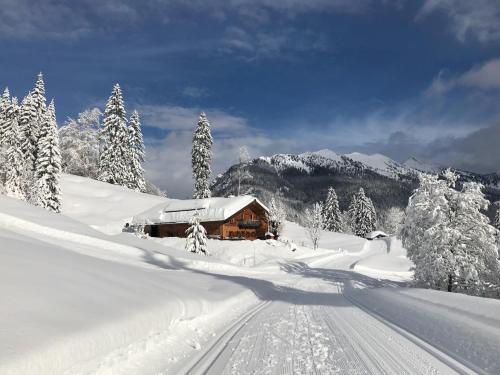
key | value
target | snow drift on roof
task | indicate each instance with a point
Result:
(209, 209)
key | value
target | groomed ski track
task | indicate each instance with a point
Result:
(317, 328)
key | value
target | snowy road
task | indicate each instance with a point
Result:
(312, 327)
(326, 336)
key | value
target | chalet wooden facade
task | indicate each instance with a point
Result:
(243, 217)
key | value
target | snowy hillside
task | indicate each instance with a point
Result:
(76, 300)
(103, 206)
(414, 163)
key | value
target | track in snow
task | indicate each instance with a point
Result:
(327, 337)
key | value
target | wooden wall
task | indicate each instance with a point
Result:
(226, 230)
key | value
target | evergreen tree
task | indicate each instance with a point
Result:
(5, 103)
(331, 212)
(136, 153)
(39, 101)
(113, 164)
(201, 158)
(196, 241)
(15, 162)
(314, 223)
(28, 126)
(362, 214)
(48, 163)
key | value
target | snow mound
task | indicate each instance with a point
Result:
(103, 206)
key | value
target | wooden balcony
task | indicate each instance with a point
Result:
(249, 223)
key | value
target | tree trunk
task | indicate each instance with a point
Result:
(450, 282)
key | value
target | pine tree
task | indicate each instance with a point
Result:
(113, 164)
(314, 223)
(136, 153)
(5, 103)
(48, 163)
(39, 101)
(196, 241)
(201, 158)
(28, 126)
(331, 212)
(15, 163)
(362, 214)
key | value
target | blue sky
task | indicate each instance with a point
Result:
(400, 77)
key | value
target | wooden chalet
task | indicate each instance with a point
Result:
(243, 217)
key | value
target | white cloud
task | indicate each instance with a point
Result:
(195, 92)
(75, 19)
(168, 163)
(264, 43)
(169, 117)
(479, 19)
(484, 77)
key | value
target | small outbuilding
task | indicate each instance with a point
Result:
(236, 218)
(376, 234)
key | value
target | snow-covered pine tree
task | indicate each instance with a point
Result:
(362, 214)
(4, 121)
(331, 212)
(196, 241)
(4, 129)
(242, 170)
(136, 153)
(28, 126)
(201, 158)
(48, 163)
(314, 223)
(15, 162)
(276, 217)
(113, 164)
(39, 101)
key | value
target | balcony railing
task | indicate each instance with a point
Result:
(249, 223)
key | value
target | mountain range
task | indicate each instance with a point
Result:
(303, 179)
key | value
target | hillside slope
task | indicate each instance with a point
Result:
(305, 178)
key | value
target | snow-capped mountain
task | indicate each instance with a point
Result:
(305, 178)
(422, 166)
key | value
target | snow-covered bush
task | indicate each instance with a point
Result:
(196, 241)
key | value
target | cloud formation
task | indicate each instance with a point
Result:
(171, 117)
(484, 76)
(478, 19)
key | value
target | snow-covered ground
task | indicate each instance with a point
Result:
(79, 297)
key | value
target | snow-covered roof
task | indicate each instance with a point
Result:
(209, 209)
(376, 234)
